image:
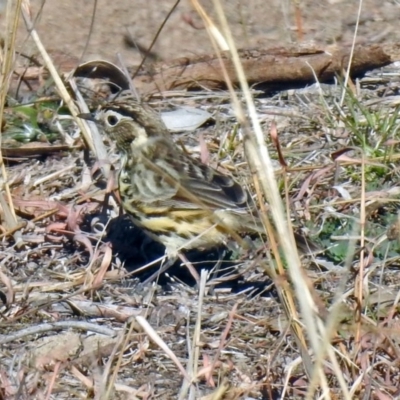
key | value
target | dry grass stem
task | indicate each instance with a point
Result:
(92, 131)
(157, 339)
(7, 65)
(259, 159)
(353, 44)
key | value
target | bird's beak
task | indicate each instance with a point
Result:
(87, 116)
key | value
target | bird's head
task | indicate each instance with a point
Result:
(129, 124)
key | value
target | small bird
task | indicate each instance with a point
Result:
(176, 199)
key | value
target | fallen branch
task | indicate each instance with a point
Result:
(269, 69)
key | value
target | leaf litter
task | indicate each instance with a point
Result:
(67, 270)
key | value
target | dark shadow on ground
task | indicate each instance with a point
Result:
(135, 249)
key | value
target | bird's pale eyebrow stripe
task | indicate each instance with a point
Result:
(121, 110)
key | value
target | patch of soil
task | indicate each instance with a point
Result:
(66, 27)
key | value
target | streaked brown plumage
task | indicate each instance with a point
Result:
(179, 201)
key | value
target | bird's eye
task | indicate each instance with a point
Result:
(112, 120)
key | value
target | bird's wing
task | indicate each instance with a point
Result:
(194, 184)
(195, 194)
(220, 193)
(213, 189)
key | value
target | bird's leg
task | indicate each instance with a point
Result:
(171, 258)
(164, 266)
(217, 267)
(189, 266)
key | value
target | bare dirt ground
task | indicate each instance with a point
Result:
(65, 26)
(69, 329)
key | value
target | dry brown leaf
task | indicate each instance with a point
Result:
(275, 140)
(105, 263)
(10, 291)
